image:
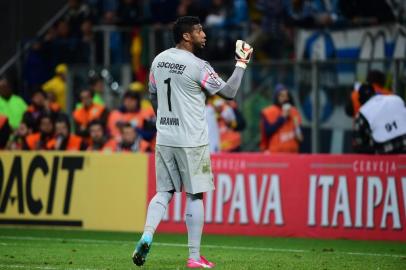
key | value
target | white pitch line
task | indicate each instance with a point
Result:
(96, 241)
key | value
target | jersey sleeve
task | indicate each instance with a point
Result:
(152, 83)
(210, 80)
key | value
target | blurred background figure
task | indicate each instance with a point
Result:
(39, 105)
(56, 87)
(131, 141)
(280, 124)
(380, 126)
(229, 125)
(96, 86)
(213, 127)
(5, 131)
(12, 106)
(377, 80)
(99, 139)
(40, 140)
(89, 112)
(64, 139)
(18, 138)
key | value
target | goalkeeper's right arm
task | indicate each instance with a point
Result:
(243, 52)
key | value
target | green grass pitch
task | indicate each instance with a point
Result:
(22, 248)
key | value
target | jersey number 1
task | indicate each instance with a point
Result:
(168, 83)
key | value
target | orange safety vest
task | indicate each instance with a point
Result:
(32, 141)
(229, 138)
(53, 106)
(356, 105)
(143, 147)
(117, 116)
(284, 139)
(109, 146)
(83, 116)
(74, 143)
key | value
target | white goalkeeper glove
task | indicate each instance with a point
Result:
(243, 52)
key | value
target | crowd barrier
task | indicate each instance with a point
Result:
(322, 196)
(88, 190)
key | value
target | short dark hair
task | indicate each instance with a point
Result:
(63, 118)
(376, 76)
(366, 91)
(184, 25)
(96, 122)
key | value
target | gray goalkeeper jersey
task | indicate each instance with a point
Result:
(178, 77)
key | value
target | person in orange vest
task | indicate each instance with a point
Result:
(5, 131)
(18, 138)
(99, 141)
(377, 79)
(40, 139)
(64, 139)
(129, 112)
(131, 141)
(89, 112)
(230, 137)
(39, 105)
(280, 124)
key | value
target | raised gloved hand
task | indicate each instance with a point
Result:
(243, 52)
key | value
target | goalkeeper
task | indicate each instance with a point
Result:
(178, 84)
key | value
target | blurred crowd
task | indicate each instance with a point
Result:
(38, 121)
(266, 24)
(379, 119)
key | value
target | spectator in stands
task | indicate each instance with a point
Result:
(377, 79)
(5, 131)
(11, 105)
(131, 141)
(64, 139)
(96, 85)
(99, 140)
(192, 8)
(163, 11)
(39, 105)
(89, 112)
(77, 13)
(367, 12)
(56, 87)
(380, 126)
(230, 136)
(130, 13)
(313, 13)
(18, 138)
(280, 124)
(41, 139)
(129, 112)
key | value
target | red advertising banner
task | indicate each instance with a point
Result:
(323, 196)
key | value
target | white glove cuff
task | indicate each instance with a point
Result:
(241, 64)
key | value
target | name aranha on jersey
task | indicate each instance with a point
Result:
(169, 121)
(174, 68)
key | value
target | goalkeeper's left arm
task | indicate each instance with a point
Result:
(243, 52)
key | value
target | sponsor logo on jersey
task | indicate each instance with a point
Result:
(174, 68)
(213, 76)
(169, 121)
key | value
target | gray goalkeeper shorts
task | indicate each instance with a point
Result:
(183, 169)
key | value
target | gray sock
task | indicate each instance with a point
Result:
(156, 210)
(194, 223)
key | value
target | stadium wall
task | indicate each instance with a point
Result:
(322, 196)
